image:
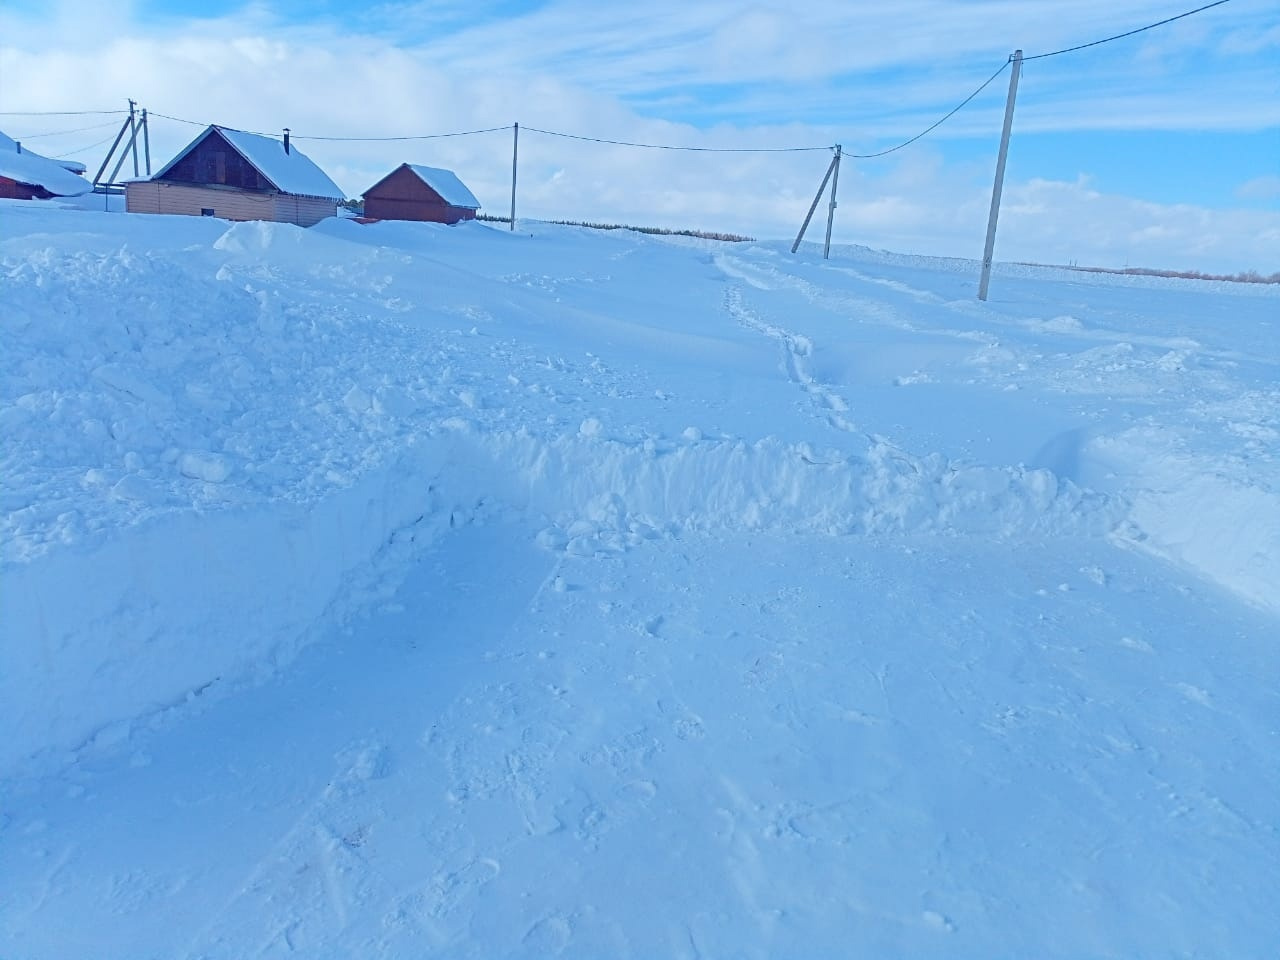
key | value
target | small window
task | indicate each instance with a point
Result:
(206, 211)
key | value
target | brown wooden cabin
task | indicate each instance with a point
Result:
(414, 192)
(30, 176)
(238, 176)
(11, 189)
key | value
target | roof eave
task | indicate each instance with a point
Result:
(403, 166)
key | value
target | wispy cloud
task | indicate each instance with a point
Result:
(1260, 188)
(714, 73)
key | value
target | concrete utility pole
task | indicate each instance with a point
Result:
(111, 153)
(831, 210)
(133, 137)
(813, 206)
(130, 147)
(999, 185)
(515, 151)
(146, 141)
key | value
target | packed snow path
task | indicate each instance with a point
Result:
(406, 591)
(678, 753)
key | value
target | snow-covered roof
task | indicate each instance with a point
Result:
(446, 183)
(40, 171)
(8, 143)
(292, 172)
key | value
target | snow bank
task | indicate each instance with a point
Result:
(604, 492)
(152, 616)
(120, 630)
(1216, 516)
(214, 437)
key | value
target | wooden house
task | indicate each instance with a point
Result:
(29, 176)
(238, 176)
(413, 192)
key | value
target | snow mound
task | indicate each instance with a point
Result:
(771, 486)
(215, 439)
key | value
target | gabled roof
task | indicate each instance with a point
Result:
(292, 172)
(38, 171)
(444, 182)
(8, 143)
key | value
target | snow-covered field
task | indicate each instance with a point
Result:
(402, 590)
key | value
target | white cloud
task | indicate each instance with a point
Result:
(1053, 221)
(578, 67)
(1260, 188)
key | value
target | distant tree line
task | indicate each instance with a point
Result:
(657, 231)
(1248, 276)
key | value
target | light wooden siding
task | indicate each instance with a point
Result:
(142, 197)
(304, 211)
(159, 197)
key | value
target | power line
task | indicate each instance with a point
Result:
(58, 133)
(550, 133)
(1129, 33)
(62, 113)
(628, 143)
(72, 153)
(163, 116)
(301, 136)
(934, 126)
(661, 146)
(421, 136)
(1039, 56)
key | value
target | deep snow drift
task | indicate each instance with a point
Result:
(381, 590)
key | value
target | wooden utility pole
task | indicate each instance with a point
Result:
(990, 247)
(515, 150)
(831, 210)
(813, 206)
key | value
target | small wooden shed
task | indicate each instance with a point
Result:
(414, 192)
(29, 176)
(238, 176)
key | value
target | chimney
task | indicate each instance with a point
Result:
(286, 139)
(18, 144)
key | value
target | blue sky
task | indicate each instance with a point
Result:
(1161, 148)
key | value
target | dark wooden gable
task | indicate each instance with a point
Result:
(215, 161)
(403, 184)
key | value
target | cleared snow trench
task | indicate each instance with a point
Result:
(186, 600)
